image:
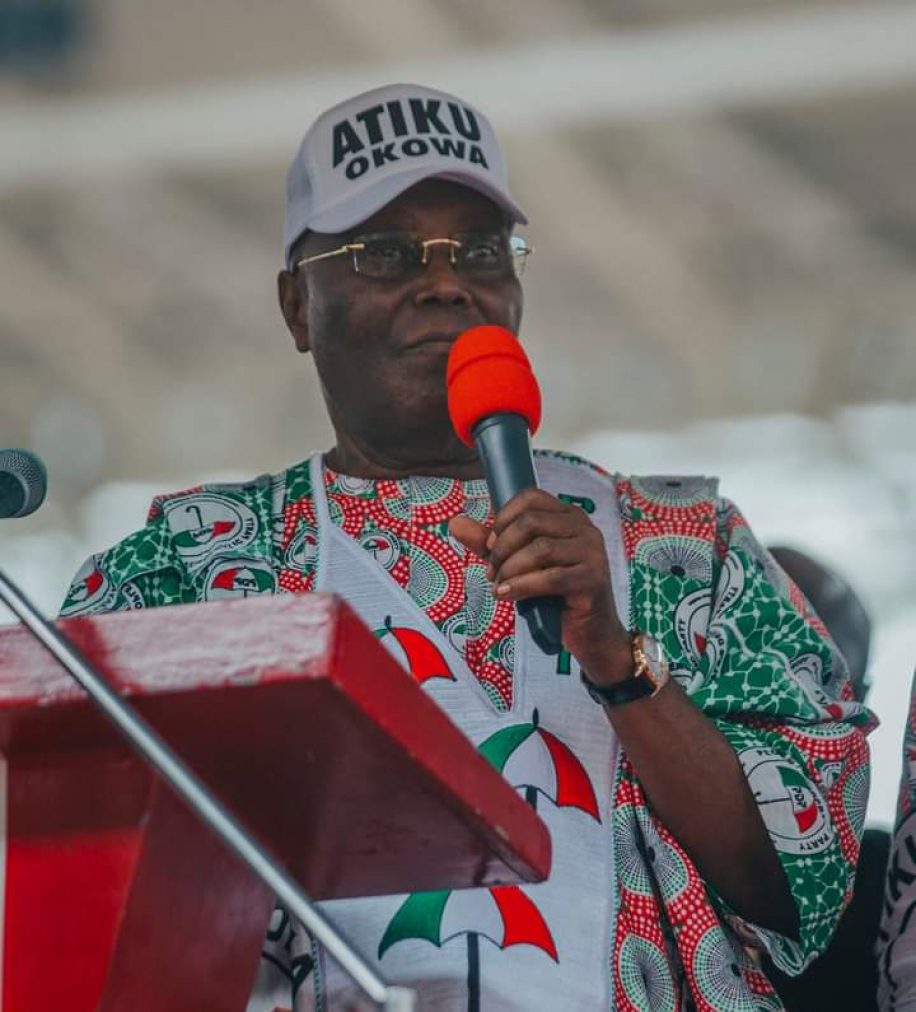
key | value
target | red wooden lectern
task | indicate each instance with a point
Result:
(117, 898)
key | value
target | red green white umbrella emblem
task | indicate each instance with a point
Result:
(503, 915)
(791, 806)
(805, 809)
(203, 533)
(241, 580)
(531, 757)
(423, 658)
(90, 585)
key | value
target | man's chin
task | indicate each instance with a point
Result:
(429, 439)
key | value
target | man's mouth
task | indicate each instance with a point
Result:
(433, 339)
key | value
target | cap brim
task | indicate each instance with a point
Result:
(358, 208)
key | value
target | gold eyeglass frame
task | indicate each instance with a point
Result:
(519, 254)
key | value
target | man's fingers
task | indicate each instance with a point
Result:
(471, 534)
(531, 499)
(539, 554)
(559, 581)
(529, 527)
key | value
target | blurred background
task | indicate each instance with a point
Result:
(722, 205)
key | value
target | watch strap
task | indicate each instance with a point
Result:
(650, 674)
(620, 692)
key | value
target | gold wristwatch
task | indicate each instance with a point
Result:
(650, 674)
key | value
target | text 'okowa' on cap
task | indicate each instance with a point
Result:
(361, 154)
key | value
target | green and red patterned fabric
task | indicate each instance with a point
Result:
(742, 641)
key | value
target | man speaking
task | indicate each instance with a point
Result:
(693, 748)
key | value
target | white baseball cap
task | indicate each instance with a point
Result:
(359, 155)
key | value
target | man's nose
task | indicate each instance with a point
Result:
(440, 284)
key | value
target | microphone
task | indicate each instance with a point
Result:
(23, 483)
(494, 403)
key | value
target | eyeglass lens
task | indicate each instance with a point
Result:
(476, 254)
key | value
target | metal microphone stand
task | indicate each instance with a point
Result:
(202, 801)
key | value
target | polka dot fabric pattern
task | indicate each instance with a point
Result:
(742, 642)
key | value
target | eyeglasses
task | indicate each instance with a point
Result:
(393, 256)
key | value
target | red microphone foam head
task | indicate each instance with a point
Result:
(489, 374)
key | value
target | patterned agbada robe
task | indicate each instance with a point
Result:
(742, 641)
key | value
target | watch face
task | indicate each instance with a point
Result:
(652, 649)
(650, 673)
(656, 668)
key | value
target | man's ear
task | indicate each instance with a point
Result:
(293, 297)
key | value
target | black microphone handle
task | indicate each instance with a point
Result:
(504, 447)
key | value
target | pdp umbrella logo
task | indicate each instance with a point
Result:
(91, 590)
(691, 623)
(238, 578)
(420, 656)
(302, 553)
(208, 523)
(538, 762)
(383, 547)
(791, 806)
(532, 759)
(698, 638)
(503, 915)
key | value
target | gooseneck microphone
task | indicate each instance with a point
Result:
(23, 483)
(495, 404)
